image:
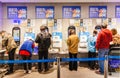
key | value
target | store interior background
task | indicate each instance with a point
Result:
(7, 24)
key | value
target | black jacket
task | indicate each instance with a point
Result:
(43, 42)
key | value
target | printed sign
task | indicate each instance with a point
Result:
(17, 12)
(117, 12)
(57, 39)
(98, 11)
(45, 12)
(71, 12)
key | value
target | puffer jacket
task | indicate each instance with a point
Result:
(11, 44)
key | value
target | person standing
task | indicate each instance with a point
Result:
(26, 53)
(11, 46)
(92, 49)
(72, 43)
(44, 41)
(102, 45)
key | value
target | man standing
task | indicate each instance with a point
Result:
(102, 45)
(44, 40)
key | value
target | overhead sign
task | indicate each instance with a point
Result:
(44, 12)
(98, 11)
(117, 11)
(17, 12)
(71, 11)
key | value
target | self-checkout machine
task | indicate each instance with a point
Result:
(84, 32)
(71, 17)
(83, 36)
(55, 27)
(16, 33)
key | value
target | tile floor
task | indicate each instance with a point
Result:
(83, 72)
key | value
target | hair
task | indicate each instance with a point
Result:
(72, 31)
(95, 32)
(3, 31)
(114, 31)
(42, 27)
(104, 26)
(98, 27)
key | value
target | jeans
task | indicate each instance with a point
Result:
(73, 64)
(101, 54)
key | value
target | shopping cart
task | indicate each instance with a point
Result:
(114, 64)
(3, 67)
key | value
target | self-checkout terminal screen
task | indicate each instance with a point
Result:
(29, 36)
(16, 35)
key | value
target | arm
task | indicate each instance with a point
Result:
(48, 42)
(37, 40)
(33, 45)
(68, 41)
(98, 41)
(78, 40)
(89, 45)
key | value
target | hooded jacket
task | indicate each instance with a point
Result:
(27, 47)
(104, 38)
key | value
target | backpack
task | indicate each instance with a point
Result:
(44, 41)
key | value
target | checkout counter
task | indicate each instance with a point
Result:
(2, 54)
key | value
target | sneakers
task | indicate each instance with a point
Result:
(40, 70)
(9, 72)
(98, 72)
(46, 70)
(27, 71)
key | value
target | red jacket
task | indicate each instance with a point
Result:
(104, 38)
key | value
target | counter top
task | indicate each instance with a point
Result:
(1, 51)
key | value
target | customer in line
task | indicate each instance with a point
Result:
(44, 41)
(92, 49)
(102, 45)
(9, 43)
(72, 43)
(25, 52)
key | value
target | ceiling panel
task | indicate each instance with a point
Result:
(56, 1)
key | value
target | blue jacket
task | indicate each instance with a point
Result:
(27, 45)
(91, 43)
